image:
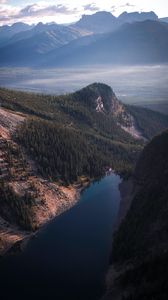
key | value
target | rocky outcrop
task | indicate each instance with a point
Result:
(108, 103)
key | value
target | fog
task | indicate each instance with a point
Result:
(143, 85)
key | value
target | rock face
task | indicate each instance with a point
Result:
(106, 102)
(140, 247)
(102, 95)
(9, 122)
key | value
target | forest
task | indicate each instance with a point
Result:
(16, 209)
(68, 138)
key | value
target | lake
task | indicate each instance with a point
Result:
(69, 257)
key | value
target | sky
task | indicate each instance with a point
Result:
(67, 11)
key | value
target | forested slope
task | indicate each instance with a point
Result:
(149, 122)
(80, 133)
(81, 140)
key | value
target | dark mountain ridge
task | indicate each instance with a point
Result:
(140, 246)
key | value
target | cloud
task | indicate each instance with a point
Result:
(117, 8)
(7, 12)
(40, 10)
(127, 5)
(32, 12)
(91, 7)
(114, 8)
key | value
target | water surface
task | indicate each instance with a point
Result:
(70, 255)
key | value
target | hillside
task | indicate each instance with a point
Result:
(27, 200)
(94, 113)
(142, 117)
(140, 247)
(52, 146)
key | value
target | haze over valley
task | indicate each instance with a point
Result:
(140, 85)
(128, 52)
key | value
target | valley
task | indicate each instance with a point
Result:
(83, 150)
(140, 85)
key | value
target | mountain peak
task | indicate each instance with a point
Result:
(19, 24)
(99, 22)
(101, 98)
(99, 14)
(137, 16)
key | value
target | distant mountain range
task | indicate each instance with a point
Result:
(164, 19)
(7, 32)
(140, 42)
(132, 38)
(103, 21)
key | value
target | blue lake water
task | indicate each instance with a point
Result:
(70, 256)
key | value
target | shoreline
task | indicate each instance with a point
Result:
(22, 237)
(51, 198)
(127, 192)
(17, 239)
